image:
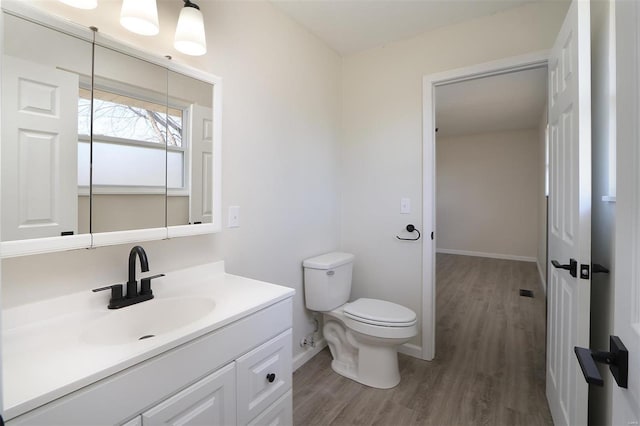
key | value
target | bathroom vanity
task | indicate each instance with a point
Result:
(210, 348)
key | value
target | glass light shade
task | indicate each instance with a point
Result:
(190, 38)
(81, 4)
(140, 16)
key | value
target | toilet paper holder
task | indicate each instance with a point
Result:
(410, 228)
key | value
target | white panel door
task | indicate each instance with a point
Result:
(39, 150)
(626, 270)
(201, 201)
(569, 216)
(211, 401)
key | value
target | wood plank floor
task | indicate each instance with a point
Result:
(489, 367)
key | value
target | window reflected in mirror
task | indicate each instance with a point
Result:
(131, 126)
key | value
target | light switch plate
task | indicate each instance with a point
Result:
(234, 217)
(405, 205)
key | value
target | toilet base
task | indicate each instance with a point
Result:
(365, 359)
(377, 368)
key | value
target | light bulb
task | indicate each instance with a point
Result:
(140, 16)
(190, 38)
(81, 4)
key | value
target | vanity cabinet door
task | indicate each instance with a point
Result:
(211, 401)
(264, 375)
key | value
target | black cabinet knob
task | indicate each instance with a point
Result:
(271, 377)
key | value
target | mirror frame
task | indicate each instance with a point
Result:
(91, 240)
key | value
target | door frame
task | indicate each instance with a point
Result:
(429, 84)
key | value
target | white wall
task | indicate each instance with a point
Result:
(382, 137)
(542, 200)
(487, 194)
(281, 122)
(603, 92)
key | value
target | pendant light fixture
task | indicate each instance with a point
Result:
(190, 38)
(81, 4)
(140, 16)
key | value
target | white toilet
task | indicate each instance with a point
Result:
(363, 335)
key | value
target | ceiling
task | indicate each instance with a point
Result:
(504, 102)
(349, 26)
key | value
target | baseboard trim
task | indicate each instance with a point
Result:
(490, 255)
(302, 358)
(543, 281)
(411, 350)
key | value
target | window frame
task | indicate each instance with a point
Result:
(122, 89)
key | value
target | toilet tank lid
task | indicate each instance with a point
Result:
(329, 260)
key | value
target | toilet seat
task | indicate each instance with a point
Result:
(379, 313)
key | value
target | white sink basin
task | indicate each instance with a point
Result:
(146, 320)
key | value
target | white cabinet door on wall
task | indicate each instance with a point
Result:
(39, 150)
(211, 401)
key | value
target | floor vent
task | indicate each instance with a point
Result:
(526, 293)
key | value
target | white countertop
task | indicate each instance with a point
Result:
(46, 353)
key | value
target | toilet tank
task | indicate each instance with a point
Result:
(327, 281)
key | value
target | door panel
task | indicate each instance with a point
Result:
(570, 218)
(201, 202)
(39, 152)
(626, 270)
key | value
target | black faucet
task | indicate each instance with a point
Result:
(117, 299)
(132, 284)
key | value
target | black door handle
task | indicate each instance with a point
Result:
(617, 358)
(596, 268)
(572, 267)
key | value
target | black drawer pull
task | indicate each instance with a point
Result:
(271, 377)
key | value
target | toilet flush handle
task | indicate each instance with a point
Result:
(330, 273)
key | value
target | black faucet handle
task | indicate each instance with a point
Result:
(116, 293)
(145, 284)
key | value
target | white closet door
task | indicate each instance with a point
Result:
(39, 150)
(201, 201)
(569, 291)
(626, 271)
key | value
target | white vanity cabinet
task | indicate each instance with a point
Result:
(237, 374)
(208, 402)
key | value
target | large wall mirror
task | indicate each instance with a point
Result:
(101, 144)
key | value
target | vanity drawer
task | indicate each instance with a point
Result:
(264, 375)
(279, 414)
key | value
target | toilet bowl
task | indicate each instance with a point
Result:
(363, 335)
(365, 349)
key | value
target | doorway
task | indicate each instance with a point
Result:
(430, 85)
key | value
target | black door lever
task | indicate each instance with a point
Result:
(596, 268)
(572, 267)
(617, 358)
